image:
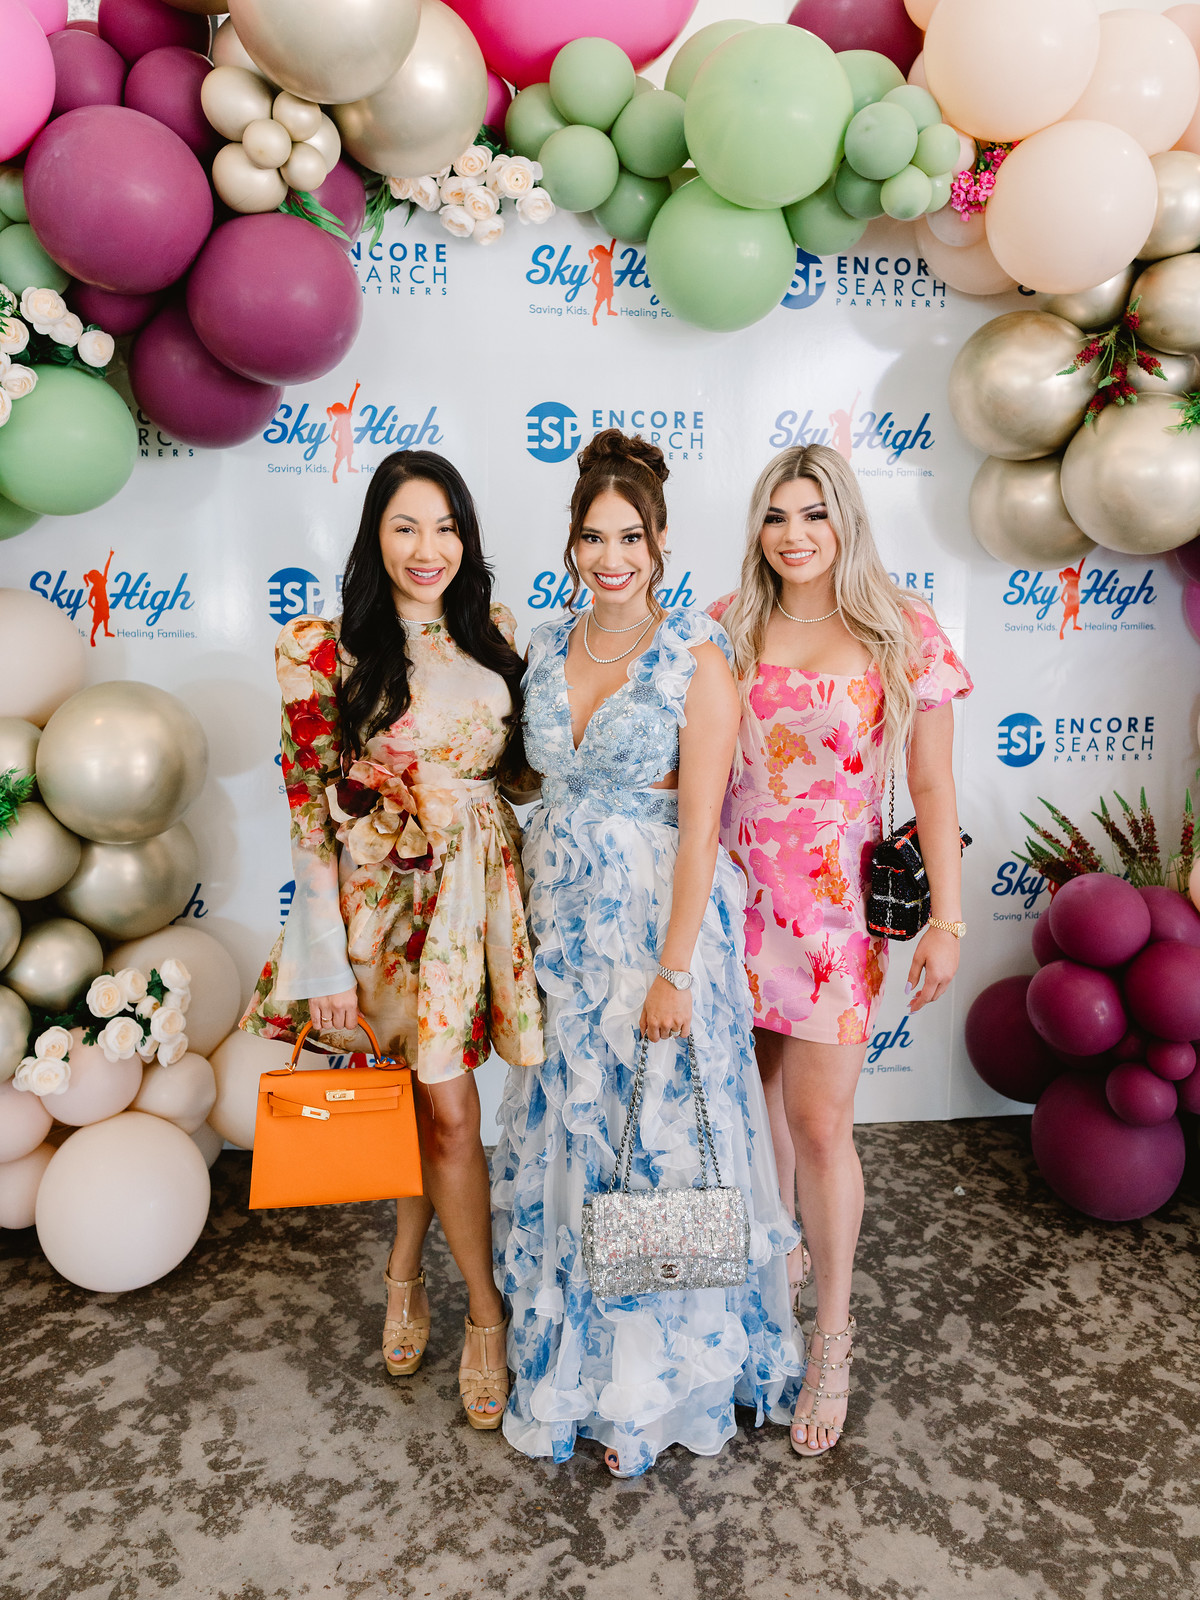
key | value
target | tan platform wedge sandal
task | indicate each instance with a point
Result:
(409, 1332)
(484, 1382)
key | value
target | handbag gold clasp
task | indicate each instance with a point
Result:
(314, 1111)
(339, 1094)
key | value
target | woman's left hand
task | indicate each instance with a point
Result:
(937, 956)
(667, 1012)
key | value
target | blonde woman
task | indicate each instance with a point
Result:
(842, 677)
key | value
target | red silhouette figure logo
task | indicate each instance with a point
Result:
(341, 427)
(1069, 578)
(602, 276)
(97, 599)
(841, 423)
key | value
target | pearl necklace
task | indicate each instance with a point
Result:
(638, 624)
(607, 661)
(421, 622)
(825, 618)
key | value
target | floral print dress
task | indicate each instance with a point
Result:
(416, 897)
(802, 821)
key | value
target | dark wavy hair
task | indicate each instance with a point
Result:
(636, 470)
(374, 693)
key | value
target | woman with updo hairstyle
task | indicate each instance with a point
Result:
(631, 716)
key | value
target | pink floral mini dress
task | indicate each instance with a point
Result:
(802, 821)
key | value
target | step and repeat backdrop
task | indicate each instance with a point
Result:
(507, 360)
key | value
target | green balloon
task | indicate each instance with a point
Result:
(25, 265)
(579, 168)
(715, 264)
(871, 75)
(694, 52)
(919, 103)
(937, 149)
(940, 187)
(907, 195)
(15, 519)
(649, 134)
(820, 226)
(633, 206)
(766, 114)
(5, 222)
(12, 194)
(681, 176)
(880, 141)
(67, 447)
(643, 85)
(531, 119)
(591, 82)
(858, 197)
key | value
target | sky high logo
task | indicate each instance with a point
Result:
(851, 431)
(105, 593)
(1046, 605)
(594, 285)
(347, 424)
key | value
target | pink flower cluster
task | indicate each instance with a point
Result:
(971, 190)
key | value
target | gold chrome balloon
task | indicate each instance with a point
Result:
(54, 963)
(304, 169)
(1007, 391)
(327, 142)
(1181, 374)
(266, 142)
(301, 118)
(327, 50)
(232, 98)
(18, 745)
(1169, 292)
(1177, 221)
(126, 890)
(243, 186)
(1093, 308)
(1018, 515)
(10, 930)
(1132, 484)
(15, 1023)
(37, 854)
(429, 111)
(229, 51)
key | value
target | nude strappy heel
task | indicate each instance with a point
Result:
(409, 1331)
(484, 1382)
(820, 1392)
(796, 1285)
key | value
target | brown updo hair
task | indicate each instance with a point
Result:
(632, 468)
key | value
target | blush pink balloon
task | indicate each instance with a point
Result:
(971, 269)
(118, 314)
(165, 84)
(135, 27)
(19, 1184)
(1140, 1097)
(1191, 608)
(24, 1122)
(498, 101)
(51, 14)
(1146, 79)
(1096, 1162)
(916, 73)
(98, 1088)
(87, 72)
(880, 25)
(189, 393)
(520, 38)
(920, 11)
(26, 77)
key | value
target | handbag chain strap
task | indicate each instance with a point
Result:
(891, 801)
(704, 1134)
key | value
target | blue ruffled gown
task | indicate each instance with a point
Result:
(637, 1373)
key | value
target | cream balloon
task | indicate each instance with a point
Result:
(1003, 72)
(44, 656)
(37, 855)
(301, 118)
(266, 143)
(18, 745)
(916, 73)
(1186, 17)
(216, 982)
(1008, 392)
(238, 1062)
(98, 1088)
(1019, 517)
(54, 963)
(183, 1093)
(208, 1141)
(304, 169)
(229, 51)
(955, 230)
(233, 97)
(243, 186)
(920, 11)
(1072, 206)
(1169, 292)
(1098, 307)
(327, 142)
(20, 1181)
(10, 930)
(1181, 374)
(121, 761)
(429, 111)
(15, 1023)
(122, 1203)
(971, 270)
(329, 51)
(1146, 79)
(24, 1122)
(1130, 483)
(126, 890)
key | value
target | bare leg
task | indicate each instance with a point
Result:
(769, 1050)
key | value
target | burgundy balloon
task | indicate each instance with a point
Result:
(1189, 1094)
(1172, 1059)
(1191, 608)
(1162, 990)
(118, 314)
(1188, 557)
(1099, 919)
(1172, 915)
(84, 25)
(135, 27)
(881, 25)
(1131, 1048)
(165, 84)
(274, 298)
(1140, 1097)
(189, 394)
(117, 198)
(1004, 1049)
(87, 72)
(343, 194)
(1096, 1162)
(1044, 947)
(1075, 1008)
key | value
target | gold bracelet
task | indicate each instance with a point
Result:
(958, 929)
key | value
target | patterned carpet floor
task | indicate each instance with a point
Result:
(1025, 1423)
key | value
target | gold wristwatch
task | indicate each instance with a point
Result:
(958, 929)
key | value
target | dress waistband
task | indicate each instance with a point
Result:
(646, 804)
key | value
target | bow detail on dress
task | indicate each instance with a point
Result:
(383, 821)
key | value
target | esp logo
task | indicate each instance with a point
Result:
(293, 592)
(552, 431)
(1019, 739)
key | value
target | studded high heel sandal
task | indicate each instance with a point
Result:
(484, 1382)
(796, 1285)
(818, 1389)
(409, 1332)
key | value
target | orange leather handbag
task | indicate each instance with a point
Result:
(333, 1135)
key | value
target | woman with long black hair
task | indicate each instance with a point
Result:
(410, 912)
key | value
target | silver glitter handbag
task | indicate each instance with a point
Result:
(647, 1240)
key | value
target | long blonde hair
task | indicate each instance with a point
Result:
(877, 612)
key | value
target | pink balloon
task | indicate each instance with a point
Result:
(51, 14)
(1044, 948)
(189, 393)
(916, 73)
(1075, 1008)
(1171, 1059)
(1187, 18)
(343, 193)
(973, 269)
(520, 38)
(880, 25)
(135, 27)
(1146, 79)
(1162, 990)
(98, 1088)
(165, 84)
(498, 101)
(1096, 1162)
(1172, 915)
(87, 72)
(1140, 1097)
(84, 25)
(26, 77)
(118, 314)
(24, 1122)
(1099, 919)
(1191, 608)
(1004, 1049)
(117, 198)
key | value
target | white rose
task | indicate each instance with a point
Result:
(5, 405)
(20, 1078)
(42, 305)
(473, 163)
(172, 1050)
(132, 985)
(166, 1023)
(180, 999)
(14, 336)
(5, 361)
(120, 1038)
(53, 1045)
(536, 206)
(17, 381)
(426, 193)
(67, 330)
(400, 188)
(453, 190)
(96, 347)
(456, 221)
(489, 230)
(497, 167)
(147, 1007)
(48, 1077)
(148, 1049)
(440, 177)
(481, 204)
(517, 178)
(104, 998)
(174, 974)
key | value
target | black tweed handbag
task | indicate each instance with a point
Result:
(898, 902)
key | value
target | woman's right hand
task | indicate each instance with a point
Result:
(337, 1013)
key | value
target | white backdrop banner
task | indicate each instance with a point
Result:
(507, 360)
